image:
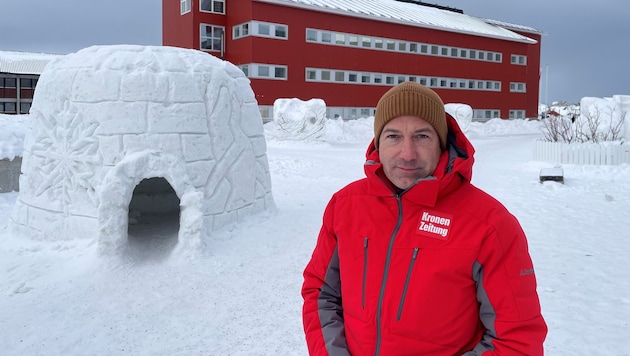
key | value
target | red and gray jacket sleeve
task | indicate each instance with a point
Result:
(506, 292)
(322, 313)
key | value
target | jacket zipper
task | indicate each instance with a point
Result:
(365, 265)
(404, 293)
(385, 274)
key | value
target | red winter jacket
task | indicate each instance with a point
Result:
(439, 269)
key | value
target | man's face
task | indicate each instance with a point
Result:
(409, 148)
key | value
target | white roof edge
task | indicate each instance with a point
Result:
(25, 62)
(334, 7)
(516, 27)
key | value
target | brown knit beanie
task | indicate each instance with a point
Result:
(413, 99)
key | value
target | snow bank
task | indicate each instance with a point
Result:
(12, 131)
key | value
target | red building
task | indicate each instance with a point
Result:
(19, 72)
(348, 52)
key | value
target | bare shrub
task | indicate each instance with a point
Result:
(558, 129)
(590, 126)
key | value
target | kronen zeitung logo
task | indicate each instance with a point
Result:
(434, 224)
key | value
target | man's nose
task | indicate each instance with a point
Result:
(407, 151)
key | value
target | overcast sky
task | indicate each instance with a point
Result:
(585, 49)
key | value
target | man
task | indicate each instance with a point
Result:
(415, 260)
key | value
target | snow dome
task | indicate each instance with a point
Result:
(124, 139)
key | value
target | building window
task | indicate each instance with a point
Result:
(240, 31)
(311, 35)
(184, 6)
(263, 71)
(517, 114)
(366, 42)
(8, 83)
(353, 40)
(280, 72)
(280, 31)
(518, 59)
(263, 29)
(28, 83)
(8, 107)
(517, 87)
(326, 37)
(211, 38)
(25, 107)
(214, 6)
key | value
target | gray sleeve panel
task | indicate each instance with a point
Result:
(486, 313)
(331, 311)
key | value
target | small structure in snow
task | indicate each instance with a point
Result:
(555, 174)
(124, 133)
(299, 120)
(462, 113)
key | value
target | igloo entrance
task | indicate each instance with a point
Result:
(153, 220)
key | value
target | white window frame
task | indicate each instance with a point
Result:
(213, 3)
(257, 70)
(240, 30)
(517, 114)
(516, 87)
(212, 38)
(184, 7)
(518, 59)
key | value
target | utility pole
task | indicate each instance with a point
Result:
(547, 85)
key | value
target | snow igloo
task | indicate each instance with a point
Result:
(126, 138)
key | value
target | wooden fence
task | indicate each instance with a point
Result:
(582, 153)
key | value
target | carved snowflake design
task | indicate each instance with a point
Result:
(68, 149)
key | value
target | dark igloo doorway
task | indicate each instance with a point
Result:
(154, 218)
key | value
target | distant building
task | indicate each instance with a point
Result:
(19, 72)
(348, 52)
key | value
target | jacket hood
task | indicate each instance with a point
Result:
(455, 164)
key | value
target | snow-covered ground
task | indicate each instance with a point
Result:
(239, 294)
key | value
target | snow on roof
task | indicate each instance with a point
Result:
(515, 27)
(409, 14)
(25, 62)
